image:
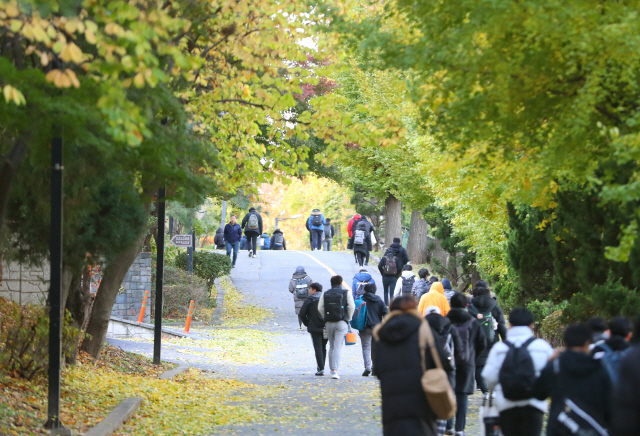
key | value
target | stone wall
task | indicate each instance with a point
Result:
(136, 281)
(24, 284)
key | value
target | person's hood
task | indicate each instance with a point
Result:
(277, 231)
(395, 247)
(356, 217)
(483, 303)
(458, 315)
(399, 328)
(370, 297)
(220, 230)
(362, 226)
(446, 284)
(617, 343)
(364, 219)
(362, 276)
(408, 274)
(300, 273)
(437, 322)
(437, 287)
(578, 364)
(252, 209)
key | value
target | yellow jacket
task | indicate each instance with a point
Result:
(435, 297)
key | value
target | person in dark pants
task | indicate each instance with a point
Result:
(376, 309)
(232, 237)
(310, 317)
(574, 375)
(252, 225)
(361, 250)
(626, 401)
(315, 224)
(370, 229)
(390, 268)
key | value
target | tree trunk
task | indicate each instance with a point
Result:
(393, 219)
(106, 296)
(8, 170)
(79, 306)
(417, 247)
(452, 267)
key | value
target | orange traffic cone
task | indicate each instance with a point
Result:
(144, 307)
(188, 324)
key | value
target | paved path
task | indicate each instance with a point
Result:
(301, 403)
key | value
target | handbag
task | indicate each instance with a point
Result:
(489, 418)
(350, 337)
(435, 382)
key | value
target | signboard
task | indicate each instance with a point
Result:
(182, 240)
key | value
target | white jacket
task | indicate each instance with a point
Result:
(398, 289)
(540, 352)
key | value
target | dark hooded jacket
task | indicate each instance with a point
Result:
(442, 326)
(376, 309)
(615, 342)
(626, 401)
(400, 253)
(482, 304)
(396, 358)
(364, 248)
(247, 230)
(448, 291)
(465, 370)
(218, 239)
(383, 262)
(284, 241)
(309, 314)
(301, 275)
(583, 380)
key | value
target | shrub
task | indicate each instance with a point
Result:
(206, 265)
(178, 292)
(24, 338)
(552, 329)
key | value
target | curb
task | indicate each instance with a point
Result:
(169, 375)
(374, 257)
(116, 418)
(217, 313)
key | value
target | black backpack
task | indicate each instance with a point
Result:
(335, 305)
(444, 345)
(316, 220)
(518, 375)
(407, 285)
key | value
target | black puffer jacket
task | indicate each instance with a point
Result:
(441, 325)
(615, 342)
(465, 370)
(218, 239)
(405, 410)
(626, 401)
(364, 248)
(376, 309)
(583, 380)
(309, 314)
(482, 304)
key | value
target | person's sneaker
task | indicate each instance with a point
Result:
(449, 432)
(335, 376)
(459, 433)
(366, 372)
(250, 253)
(320, 373)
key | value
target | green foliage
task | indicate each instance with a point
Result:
(24, 338)
(206, 265)
(179, 289)
(607, 300)
(552, 328)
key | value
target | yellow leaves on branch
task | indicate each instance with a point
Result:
(63, 79)
(71, 53)
(14, 95)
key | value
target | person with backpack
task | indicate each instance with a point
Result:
(510, 372)
(232, 238)
(404, 284)
(599, 330)
(422, 285)
(486, 310)
(613, 351)
(371, 230)
(389, 267)
(299, 288)
(626, 401)
(329, 232)
(310, 317)
(398, 365)
(277, 241)
(252, 225)
(218, 239)
(336, 307)
(473, 343)
(266, 241)
(368, 313)
(448, 290)
(400, 252)
(435, 297)
(351, 223)
(360, 280)
(316, 224)
(361, 243)
(579, 387)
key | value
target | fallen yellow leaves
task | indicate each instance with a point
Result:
(236, 313)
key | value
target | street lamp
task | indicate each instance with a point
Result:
(288, 218)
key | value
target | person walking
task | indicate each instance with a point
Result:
(435, 297)
(361, 243)
(472, 344)
(277, 241)
(399, 251)
(376, 310)
(252, 225)
(599, 330)
(336, 307)
(310, 317)
(218, 239)
(232, 237)
(316, 224)
(360, 280)
(371, 230)
(243, 242)
(448, 291)
(329, 232)
(518, 416)
(390, 270)
(351, 222)
(404, 284)
(299, 287)
(626, 401)
(486, 310)
(422, 285)
(574, 378)
(397, 363)
(266, 241)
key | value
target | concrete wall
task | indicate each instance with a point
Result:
(137, 280)
(24, 284)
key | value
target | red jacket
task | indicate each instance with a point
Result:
(355, 218)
